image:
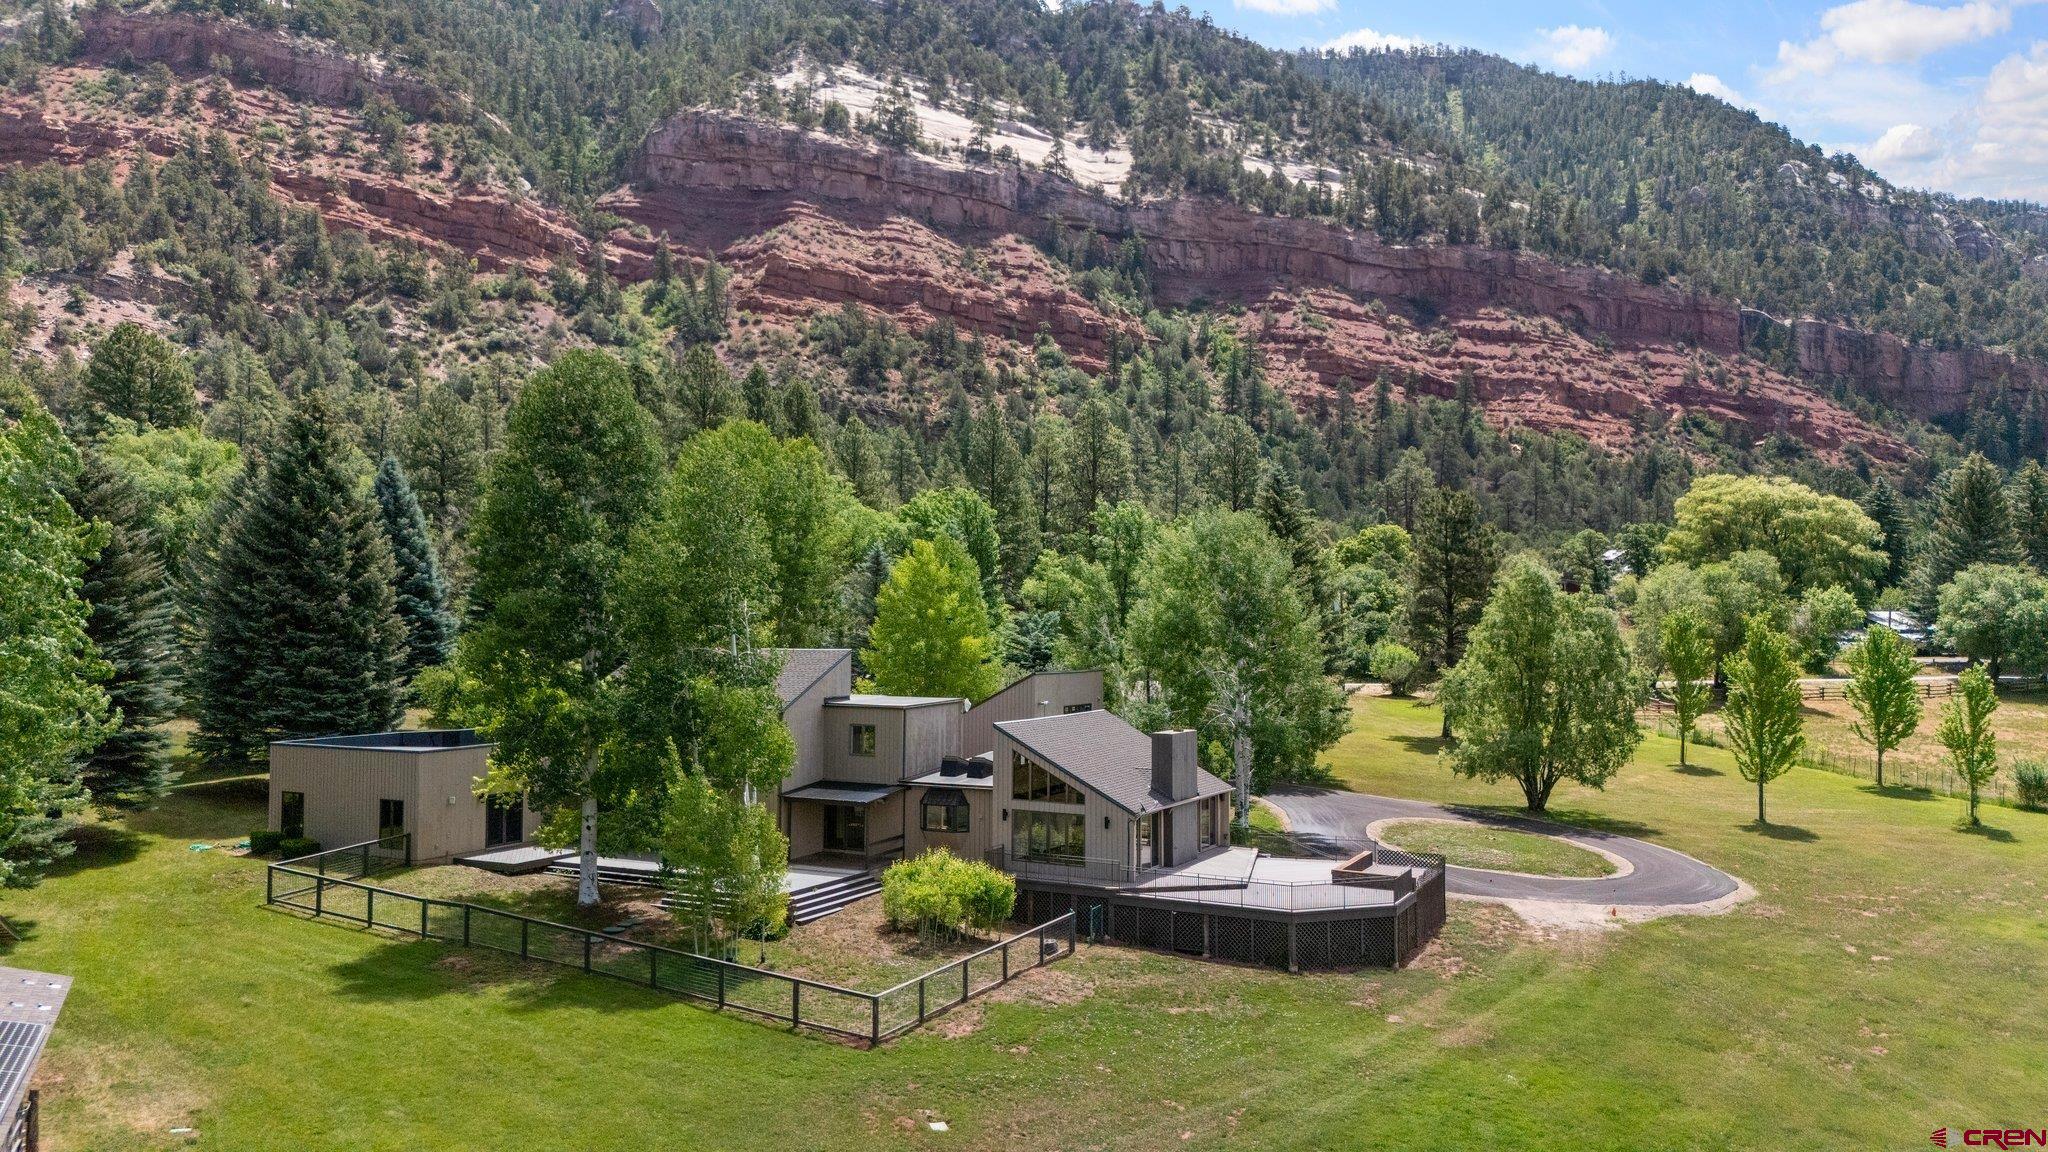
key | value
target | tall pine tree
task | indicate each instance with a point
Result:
(132, 627)
(421, 593)
(298, 633)
(1972, 526)
(1456, 553)
(1881, 504)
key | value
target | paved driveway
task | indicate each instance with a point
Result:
(1660, 877)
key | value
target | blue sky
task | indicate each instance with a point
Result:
(1943, 95)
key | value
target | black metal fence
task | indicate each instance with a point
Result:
(869, 1017)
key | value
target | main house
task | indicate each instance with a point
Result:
(1092, 816)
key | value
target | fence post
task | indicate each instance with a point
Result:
(522, 938)
(319, 895)
(269, 885)
(465, 924)
(721, 987)
(369, 907)
(796, 1004)
(586, 951)
(963, 982)
(1040, 958)
(920, 999)
(874, 1020)
(1006, 961)
(1073, 945)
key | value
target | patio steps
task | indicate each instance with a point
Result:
(643, 876)
(812, 903)
(822, 900)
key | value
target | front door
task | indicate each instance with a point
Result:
(846, 828)
(504, 823)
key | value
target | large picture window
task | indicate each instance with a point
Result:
(292, 819)
(1060, 837)
(1030, 781)
(390, 819)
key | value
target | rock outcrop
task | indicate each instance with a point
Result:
(715, 177)
(305, 68)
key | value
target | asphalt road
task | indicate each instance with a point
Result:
(1661, 877)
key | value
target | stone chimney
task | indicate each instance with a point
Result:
(1173, 763)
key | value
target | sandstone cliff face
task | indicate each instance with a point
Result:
(1914, 378)
(305, 69)
(702, 170)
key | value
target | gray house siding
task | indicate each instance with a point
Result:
(1039, 694)
(804, 716)
(342, 787)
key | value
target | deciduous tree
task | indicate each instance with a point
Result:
(1544, 692)
(1967, 734)
(1766, 732)
(1882, 690)
(1688, 650)
(931, 635)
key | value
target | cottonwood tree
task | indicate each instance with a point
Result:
(931, 635)
(581, 467)
(298, 634)
(1218, 609)
(1882, 690)
(1688, 649)
(51, 706)
(1544, 692)
(1967, 734)
(132, 630)
(1456, 554)
(1816, 539)
(1989, 612)
(1766, 731)
(421, 593)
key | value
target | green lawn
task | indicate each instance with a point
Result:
(1501, 849)
(1886, 980)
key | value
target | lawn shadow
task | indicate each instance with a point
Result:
(406, 970)
(22, 929)
(1899, 792)
(103, 845)
(1988, 832)
(1791, 833)
(1427, 745)
(1696, 770)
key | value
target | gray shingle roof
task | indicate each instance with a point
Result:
(1098, 750)
(803, 667)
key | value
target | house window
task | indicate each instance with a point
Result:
(944, 816)
(1060, 837)
(390, 819)
(1031, 781)
(1070, 709)
(860, 740)
(292, 819)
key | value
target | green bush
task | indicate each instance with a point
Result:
(1396, 664)
(2030, 781)
(293, 847)
(939, 894)
(263, 841)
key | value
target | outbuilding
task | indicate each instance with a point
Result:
(342, 790)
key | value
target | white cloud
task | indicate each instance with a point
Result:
(1287, 7)
(1904, 144)
(1372, 41)
(1891, 32)
(1995, 144)
(1571, 47)
(1708, 84)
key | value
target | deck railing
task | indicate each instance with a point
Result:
(867, 1017)
(1223, 889)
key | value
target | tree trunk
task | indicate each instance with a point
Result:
(1681, 746)
(1241, 767)
(1880, 765)
(586, 859)
(1760, 799)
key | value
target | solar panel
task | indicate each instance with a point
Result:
(19, 1043)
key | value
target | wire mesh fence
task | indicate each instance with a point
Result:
(869, 1017)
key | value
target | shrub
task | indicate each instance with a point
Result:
(2030, 781)
(1396, 664)
(263, 841)
(939, 894)
(293, 847)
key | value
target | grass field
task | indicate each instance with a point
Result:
(1500, 849)
(1885, 981)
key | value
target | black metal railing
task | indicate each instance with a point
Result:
(870, 1017)
(24, 1131)
(1212, 884)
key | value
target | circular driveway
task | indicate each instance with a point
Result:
(1656, 878)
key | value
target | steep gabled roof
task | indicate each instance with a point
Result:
(1098, 750)
(802, 668)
